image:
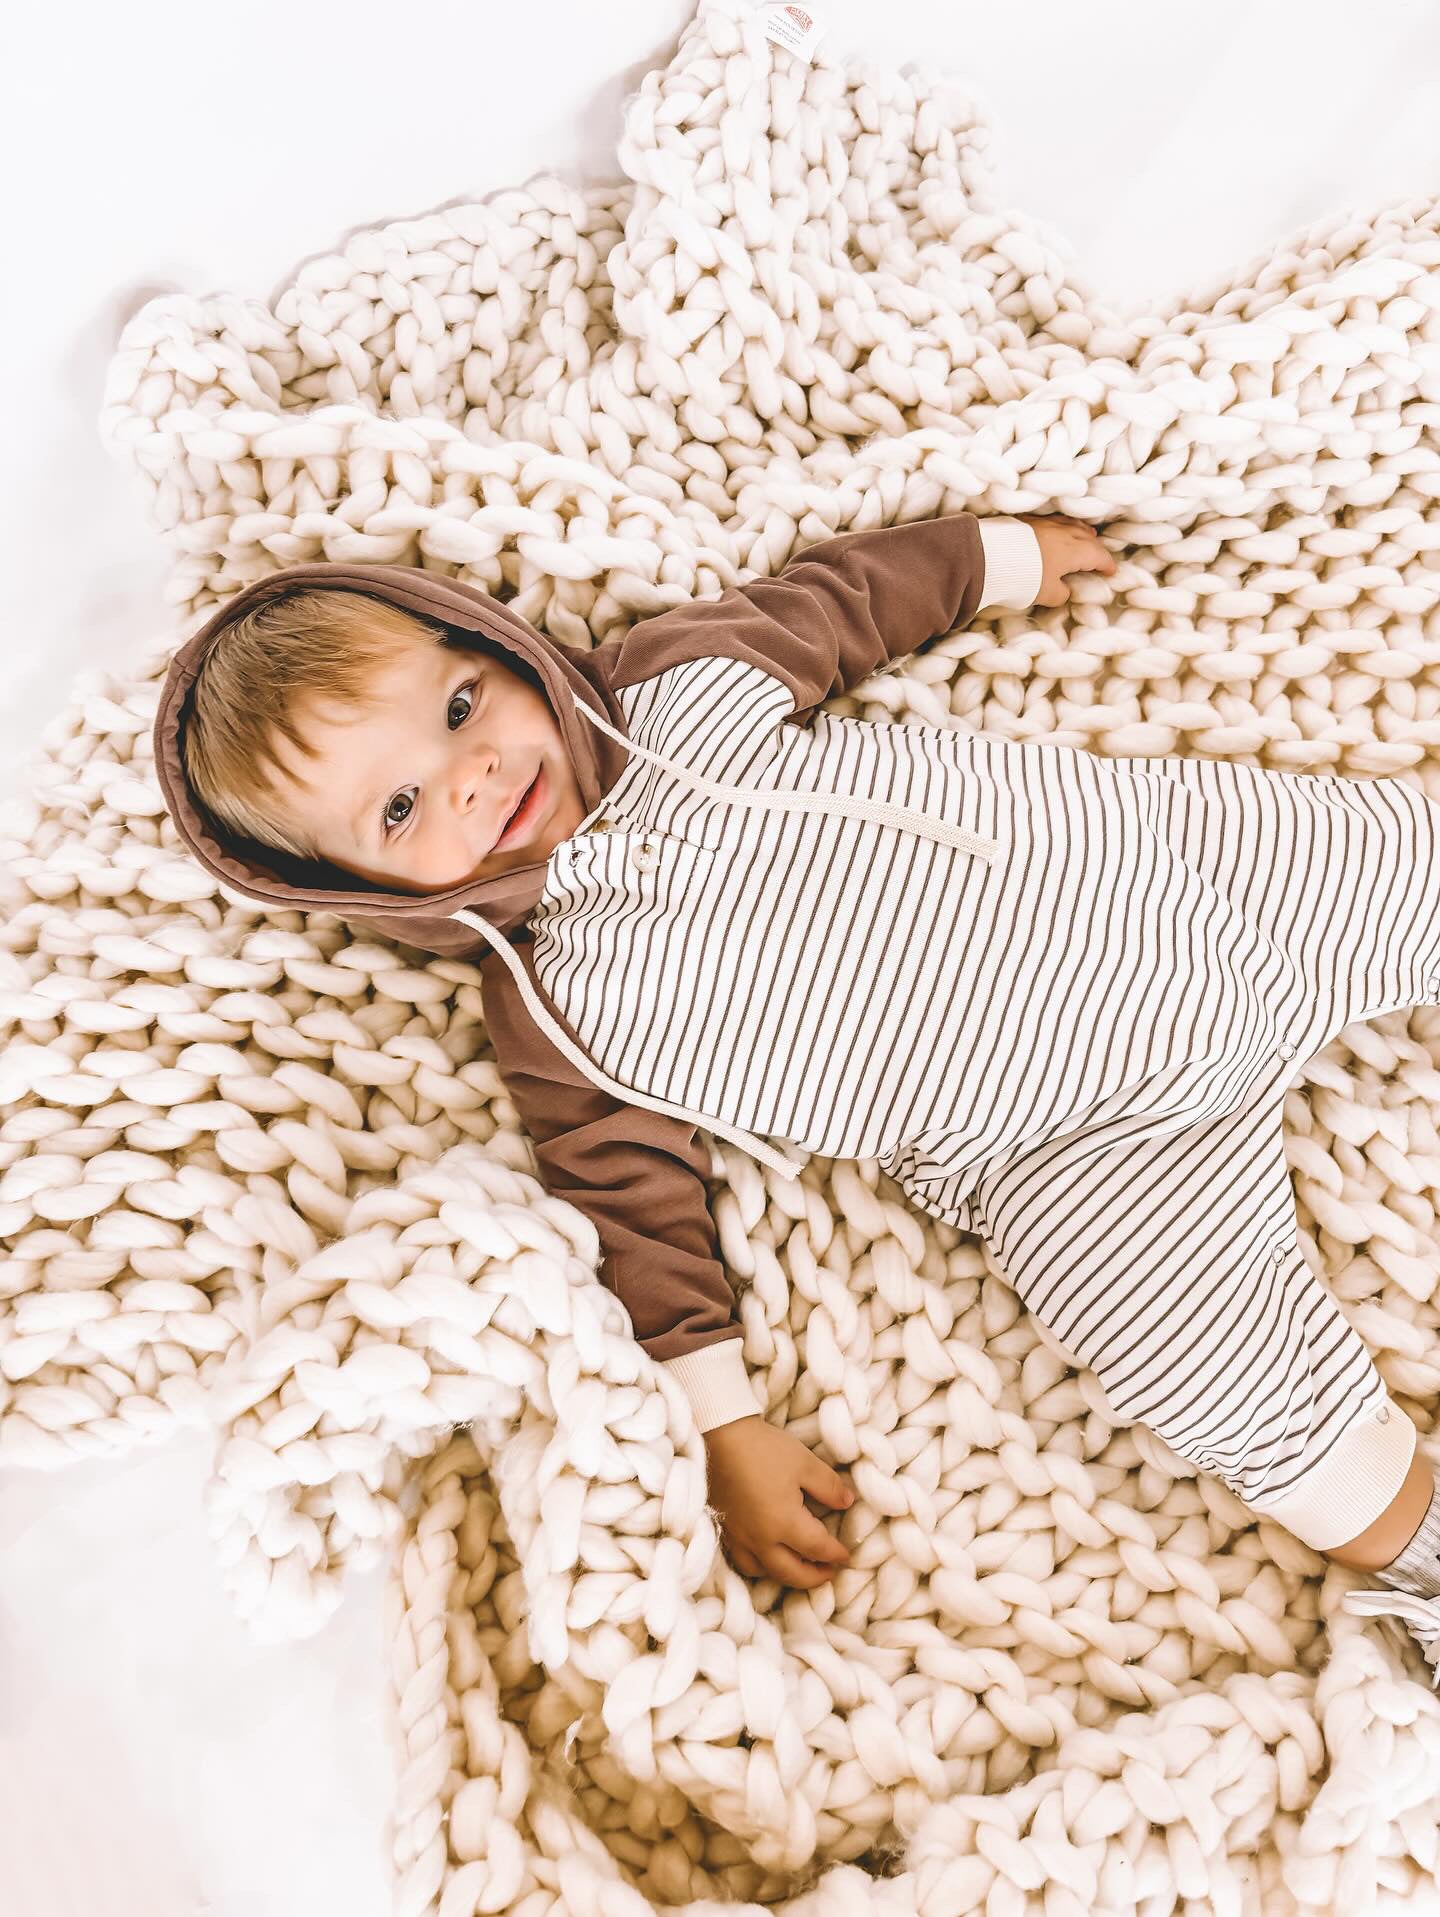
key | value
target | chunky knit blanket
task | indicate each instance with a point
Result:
(260, 1173)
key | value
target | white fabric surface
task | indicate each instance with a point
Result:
(119, 1654)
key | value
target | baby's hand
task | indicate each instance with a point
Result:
(1065, 547)
(758, 1479)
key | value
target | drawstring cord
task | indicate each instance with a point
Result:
(767, 1154)
(872, 811)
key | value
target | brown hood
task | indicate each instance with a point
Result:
(423, 920)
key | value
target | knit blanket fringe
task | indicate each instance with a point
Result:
(260, 1174)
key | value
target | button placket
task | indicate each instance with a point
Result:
(644, 852)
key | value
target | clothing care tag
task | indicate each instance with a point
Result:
(794, 27)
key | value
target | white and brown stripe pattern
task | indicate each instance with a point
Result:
(1078, 1045)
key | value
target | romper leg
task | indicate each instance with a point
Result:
(1171, 1266)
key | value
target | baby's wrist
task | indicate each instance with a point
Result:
(1014, 567)
(716, 1382)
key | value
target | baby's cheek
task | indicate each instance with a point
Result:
(453, 861)
(437, 863)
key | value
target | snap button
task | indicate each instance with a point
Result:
(1285, 1048)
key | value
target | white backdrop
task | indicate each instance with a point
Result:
(151, 1758)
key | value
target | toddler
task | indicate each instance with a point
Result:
(1058, 997)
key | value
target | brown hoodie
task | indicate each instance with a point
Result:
(841, 611)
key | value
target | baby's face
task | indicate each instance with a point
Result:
(415, 793)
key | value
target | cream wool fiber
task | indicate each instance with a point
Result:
(260, 1174)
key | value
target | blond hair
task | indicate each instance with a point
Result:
(262, 676)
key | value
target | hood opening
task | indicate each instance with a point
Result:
(469, 617)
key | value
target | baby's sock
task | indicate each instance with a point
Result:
(1417, 1568)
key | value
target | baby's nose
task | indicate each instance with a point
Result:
(467, 786)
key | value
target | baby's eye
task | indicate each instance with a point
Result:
(456, 713)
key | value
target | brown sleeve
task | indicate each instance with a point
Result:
(838, 612)
(639, 1176)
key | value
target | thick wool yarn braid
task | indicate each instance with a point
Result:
(263, 1174)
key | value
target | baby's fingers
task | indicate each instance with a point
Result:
(1084, 551)
(790, 1568)
(825, 1484)
(746, 1562)
(809, 1537)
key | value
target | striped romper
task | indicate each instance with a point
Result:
(1069, 1028)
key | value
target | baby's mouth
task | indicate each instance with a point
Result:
(519, 808)
(521, 814)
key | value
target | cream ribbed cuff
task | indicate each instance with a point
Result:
(1013, 568)
(716, 1382)
(1357, 1479)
